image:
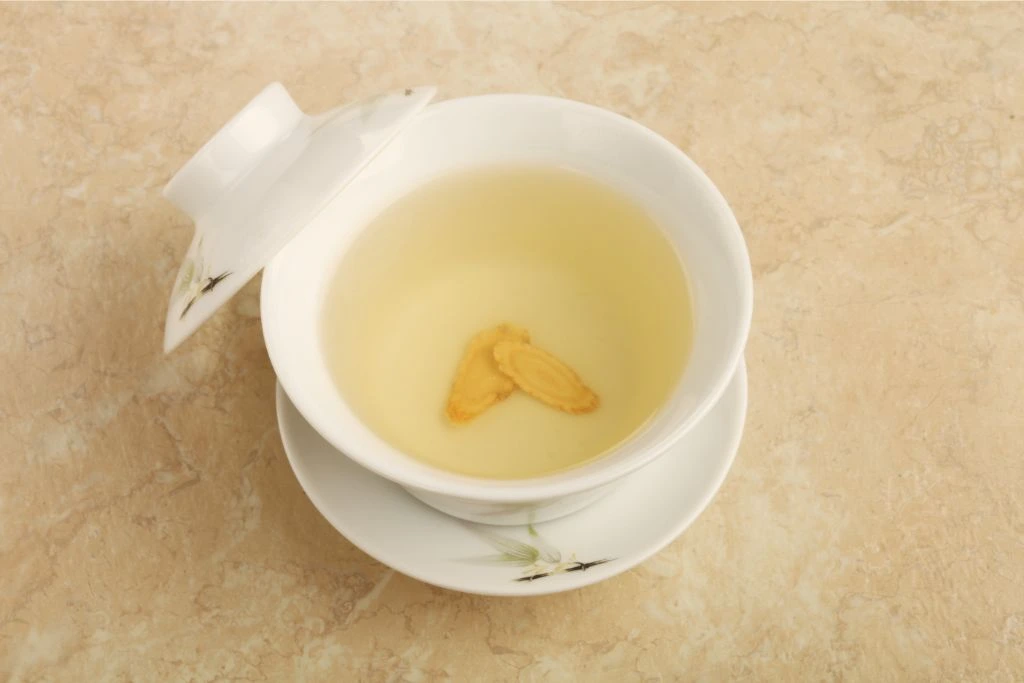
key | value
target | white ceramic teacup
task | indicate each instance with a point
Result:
(495, 129)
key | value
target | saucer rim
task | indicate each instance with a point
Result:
(623, 563)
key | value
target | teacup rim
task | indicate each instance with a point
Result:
(593, 474)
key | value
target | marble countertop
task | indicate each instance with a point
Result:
(871, 528)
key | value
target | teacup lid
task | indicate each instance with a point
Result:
(261, 179)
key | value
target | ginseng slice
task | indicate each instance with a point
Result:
(545, 377)
(478, 383)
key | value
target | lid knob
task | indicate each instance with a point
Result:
(236, 149)
(260, 180)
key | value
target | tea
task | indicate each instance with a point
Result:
(573, 262)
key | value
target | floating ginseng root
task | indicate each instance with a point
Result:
(544, 377)
(479, 384)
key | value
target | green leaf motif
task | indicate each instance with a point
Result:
(547, 552)
(188, 271)
(512, 551)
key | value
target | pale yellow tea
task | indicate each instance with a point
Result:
(558, 261)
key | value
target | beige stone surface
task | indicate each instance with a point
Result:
(871, 529)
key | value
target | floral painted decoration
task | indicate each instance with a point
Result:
(194, 281)
(538, 558)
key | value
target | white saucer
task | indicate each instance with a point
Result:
(649, 510)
